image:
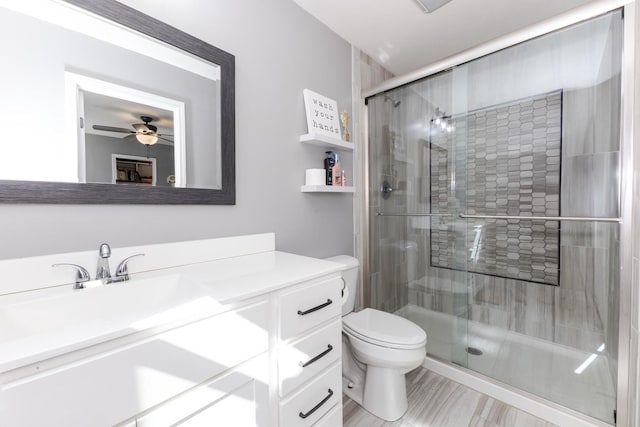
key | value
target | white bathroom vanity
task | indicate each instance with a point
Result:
(211, 332)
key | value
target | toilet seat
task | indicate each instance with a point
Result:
(384, 329)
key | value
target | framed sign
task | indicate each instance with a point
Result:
(322, 114)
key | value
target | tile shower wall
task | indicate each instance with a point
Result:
(388, 266)
(367, 73)
(390, 259)
(578, 313)
(512, 157)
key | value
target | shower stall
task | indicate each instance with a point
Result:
(494, 213)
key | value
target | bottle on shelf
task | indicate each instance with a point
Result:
(335, 172)
(330, 162)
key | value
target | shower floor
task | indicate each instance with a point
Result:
(533, 365)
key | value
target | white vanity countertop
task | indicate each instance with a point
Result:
(46, 326)
(243, 277)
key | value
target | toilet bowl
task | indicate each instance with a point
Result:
(379, 349)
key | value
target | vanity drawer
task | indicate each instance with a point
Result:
(308, 406)
(316, 352)
(309, 305)
(332, 419)
(109, 388)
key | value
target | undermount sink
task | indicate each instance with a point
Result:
(80, 318)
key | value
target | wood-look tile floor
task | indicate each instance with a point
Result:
(435, 401)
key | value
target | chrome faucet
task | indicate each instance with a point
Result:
(103, 271)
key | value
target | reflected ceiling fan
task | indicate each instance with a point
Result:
(145, 133)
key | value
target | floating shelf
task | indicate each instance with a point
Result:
(326, 189)
(326, 142)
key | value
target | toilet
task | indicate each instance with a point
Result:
(379, 348)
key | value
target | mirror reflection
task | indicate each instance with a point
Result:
(140, 154)
(95, 102)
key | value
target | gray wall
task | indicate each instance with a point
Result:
(279, 50)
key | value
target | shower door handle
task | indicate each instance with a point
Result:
(543, 218)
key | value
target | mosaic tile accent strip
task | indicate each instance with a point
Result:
(502, 160)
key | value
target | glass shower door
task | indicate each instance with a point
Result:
(448, 239)
(471, 173)
(539, 124)
(417, 190)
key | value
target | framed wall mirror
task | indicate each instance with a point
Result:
(103, 104)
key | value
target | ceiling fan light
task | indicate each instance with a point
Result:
(146, 139)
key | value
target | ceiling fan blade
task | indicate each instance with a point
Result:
(112, 129)
(163, 134)
(140, 127)
(164, 139)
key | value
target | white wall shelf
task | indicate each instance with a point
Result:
(326, 142)
(326, 189)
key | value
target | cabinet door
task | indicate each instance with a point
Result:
(108, 388)
(237, 408)
(237, 398)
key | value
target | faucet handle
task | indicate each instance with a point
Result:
(82, 275)
(122, 270)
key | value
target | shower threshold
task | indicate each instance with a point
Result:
(523, 365)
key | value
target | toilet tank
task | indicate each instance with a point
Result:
(350, 276)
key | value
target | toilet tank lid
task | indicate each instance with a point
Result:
(346, 260)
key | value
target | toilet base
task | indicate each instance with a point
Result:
(380, 391)
(374, 398)
(385, 393)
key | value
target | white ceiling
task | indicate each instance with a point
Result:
(400, 36)
(109, 111)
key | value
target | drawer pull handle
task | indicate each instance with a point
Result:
(317, 307)
(318, 357)
(315, 408)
